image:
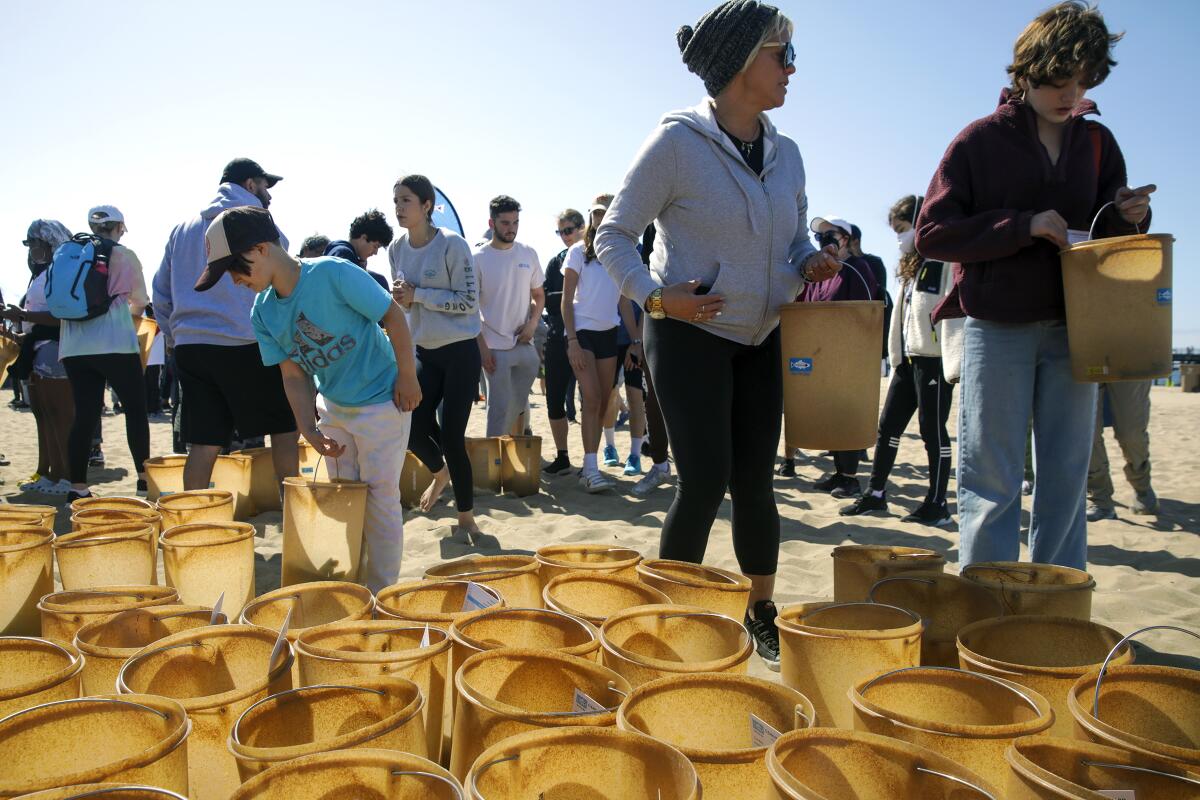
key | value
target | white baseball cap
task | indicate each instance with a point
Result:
(836, 222)
(103, 214)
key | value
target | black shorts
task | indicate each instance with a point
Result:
(228, 387)
(633, 377)
(601, 344)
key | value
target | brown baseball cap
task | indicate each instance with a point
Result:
(233, 232)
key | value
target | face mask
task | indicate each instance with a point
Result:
(907, 241)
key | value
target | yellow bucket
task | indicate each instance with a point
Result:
(107, 791)
(381, 713)
(1045, 589)
(595, 598)
(718, 590)
(722, 723)
(10, 350)
(831, 373)
(347, 651)
(26, 576)
(64, 613)
(528, 628)
(322, 530)
(414, 479)
(945, 603)
(649, 642)
(500, 693)
(1052, 768)
(858, 567)
(822, 763)
(119, 554)
(824, 648)
(353, 775)
(486, 461)
(27, 514)
(559, 559)
(433, 602)
(164, 476)
(235, 474)
(1047, 654)
(107, 644)
(1118, 297)
(135, 738)
(147, 330)
(36, 671)
(264, 483)
(111, 503)
(521, 464)
(202, 505)
(215, 673)
(87, 512)
(208, 560)
(968, 717)
(310, 462)
(583, 763)
(514, 577)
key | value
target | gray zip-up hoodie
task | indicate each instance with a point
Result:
(743, 236)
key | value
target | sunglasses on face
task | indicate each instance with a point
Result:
(787, 53)
(567, 231)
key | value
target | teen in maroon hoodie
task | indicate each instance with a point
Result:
(1000, 204)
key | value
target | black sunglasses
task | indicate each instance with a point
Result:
(787, 53)
(567, 231)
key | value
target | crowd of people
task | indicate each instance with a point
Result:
(670, 288)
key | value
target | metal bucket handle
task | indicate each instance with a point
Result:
(660, 576)
(1117, 646)
(707, 614)
(234, 731)
(55, 645)
(115, 700)
(496, 573)
(421, 584)
(930, 581)
(96, 541)
(121, 685)
(114, 789)
(555, 612)
(1137, 227)
(866, 285)
(1146, 770)
(405, 773)
(476, 773)
(955, 779)
(980, 675)
(915, 616)
(800, 715)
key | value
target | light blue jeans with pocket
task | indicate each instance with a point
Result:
(1010, 373)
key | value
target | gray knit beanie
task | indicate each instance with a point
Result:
(717, 48)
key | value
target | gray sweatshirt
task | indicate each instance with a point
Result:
(718, 222)
(445, 307)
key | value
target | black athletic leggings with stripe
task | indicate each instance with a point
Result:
(918, 386)
(88, 374)
(449, 377)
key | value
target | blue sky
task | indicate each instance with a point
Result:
(140, 104)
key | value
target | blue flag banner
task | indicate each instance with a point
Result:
(444, 215)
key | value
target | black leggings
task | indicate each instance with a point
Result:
(655, 425)
(918, 385)
(449, 377)
(560, 378)
(88, 375)
(723, 405)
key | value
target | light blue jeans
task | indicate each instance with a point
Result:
(1010, 372)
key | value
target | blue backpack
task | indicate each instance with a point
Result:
(77, 281)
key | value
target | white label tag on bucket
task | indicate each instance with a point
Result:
(586, 705)
(762, 734)
(280, 641)
(477, 598)
(1118, 794)
(1075, 237)
(216, 614)
(425, 636)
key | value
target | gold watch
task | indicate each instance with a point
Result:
(654, 305)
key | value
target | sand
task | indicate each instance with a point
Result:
(1147, 569)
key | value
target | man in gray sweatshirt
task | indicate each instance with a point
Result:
(221, 374)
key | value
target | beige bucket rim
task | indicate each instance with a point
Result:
(730, 581)
(1105, 757)
(1113, 241)
(73, 668)
(1015, 669)
(277, 755)
(675, 612)
(933, 578)
(295, 590)
(802, 712)
(1028, 568)
(86, 790)
(97, 535)
(84, 634)
(788, 616)
(297, 482)
(916, 554)
(44, 536)
(1039, 704)
(172, 459)
(150, 596)
(488, 573)
(459, 636)
(554, 583)
(200, 499)
(546, 556)
(371, 627)
(83, 518)
(111, 503)
(445, 617)
(243, 531)
(410, 766)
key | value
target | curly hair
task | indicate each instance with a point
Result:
(1064, 39)
(374, 226)
(907, 209)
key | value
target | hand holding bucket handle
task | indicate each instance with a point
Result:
(1117, 646)
(1129, 203)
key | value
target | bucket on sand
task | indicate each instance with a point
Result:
(945, 604)
(1053, 768)
(825, 648)
(146, 330)
(486, 460)
(500, 693)
(164, 476)
(322, 530)
(382, 713)
(27, 514)
(433, 602)
(858, 567)
(207, 560)
(93, 502)
(133, 738)
(104, 791)
(215, 673)
(347, 651)
(26, 576)
(1118, 301)
(1047, 654)
(521, 464)
(718, 590)
(1036, 588)
(821, 763)
(356, 775)
(968, 717)
(722, 723)
(514, 577)
(107, 644)
(264, 483)
(528, 628)
(831, 373)
(64, 613)
(36, 671)
(414, 480)
(592, 763)
(559, 559)
(202, 505)
(595, 598)
(94, 516)
(235, 474)
(649, 642)
(310, 460)
(118, 554)
(10, 351)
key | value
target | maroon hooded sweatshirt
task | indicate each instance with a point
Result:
(993, 179)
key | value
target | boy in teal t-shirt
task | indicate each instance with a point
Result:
(318, 319)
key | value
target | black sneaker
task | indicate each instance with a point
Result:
(828, 483)
(786, 468)
(935, 515)
(96, 459)
(866, 504)
(142, 488)
(73, 495)
(846, 487)
(765, 634)
(559, 466)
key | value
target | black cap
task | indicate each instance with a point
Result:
(855, 233)
(233, 232)
(242, 169)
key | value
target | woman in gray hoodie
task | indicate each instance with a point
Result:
(725, 191)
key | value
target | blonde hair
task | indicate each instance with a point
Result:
(779, 30)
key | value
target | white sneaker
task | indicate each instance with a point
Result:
(59, 489)
(595, 482)
(651, 480)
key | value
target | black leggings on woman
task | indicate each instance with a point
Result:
(919, 386)
(560, 378)
(88, 374)
(449, 377)
(723, 405)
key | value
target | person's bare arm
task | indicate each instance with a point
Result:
(407, 392)
(537, 300)
(302, 397)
